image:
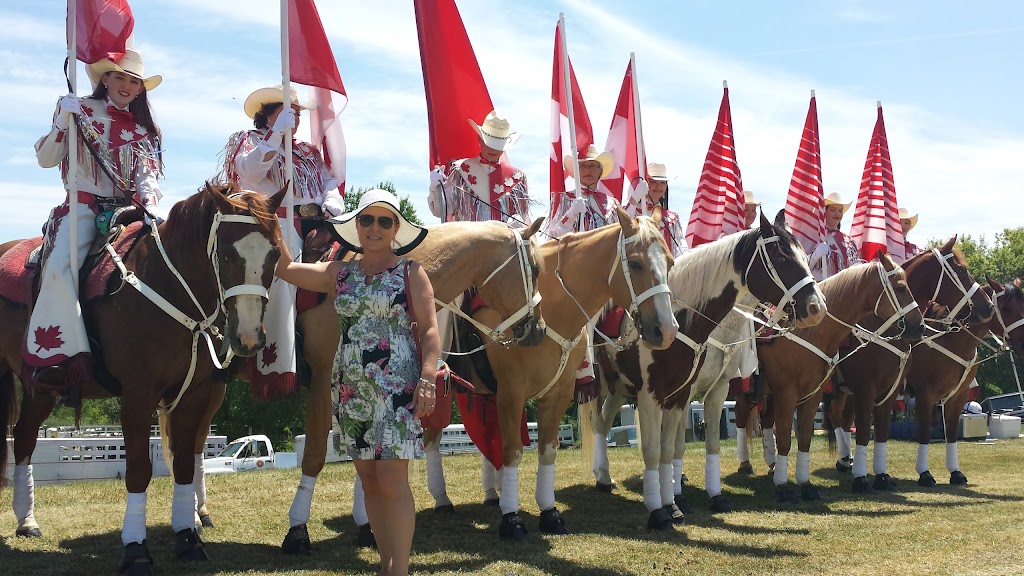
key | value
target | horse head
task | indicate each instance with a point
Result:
(511, 290)
(895, 304)
(941, 275)
(641, 286)
(1009, 300)
(778, 271)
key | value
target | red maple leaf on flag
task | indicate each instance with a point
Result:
(269, 355)
(48, 338)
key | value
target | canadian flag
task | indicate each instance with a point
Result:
(310, 59)
(326, 132)
(625, 141)
(805, 205)
(102, 29)
(560, 127)
(718, 207)
(876, 217)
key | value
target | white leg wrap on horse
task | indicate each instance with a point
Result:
(299, 512)
(803, 467)
(880, 458)
(922, 458)
(24, 493)
(952, 457)
(677, 475)
(435, 477)
(742, 448)
(860, 461)
(199, 481)
(665, 483)
(770, 451)
(134, 529)
(842, 442)
(712, 474)
(545, 486)
(652, 490)
(183, 507)
(359, 503)
(781, 474)
(488, 478)
(509, 499)
(600, 454)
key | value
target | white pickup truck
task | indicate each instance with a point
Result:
(245, 453)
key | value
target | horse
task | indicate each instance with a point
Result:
(576, 285)
(797, 365)
(215, 256)
(875, 375)
(765, 262)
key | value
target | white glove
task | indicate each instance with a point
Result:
(285, 121)
(436, 178)
(68, 105)
(820, 251)
(640, 192)
(332, 208)
(159, 216)
(576, 207)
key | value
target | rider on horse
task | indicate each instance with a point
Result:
(657, 195)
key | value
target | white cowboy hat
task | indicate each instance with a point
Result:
(130, 64)
(749, 198)
(606, 160)
(906, 215)
(271, 94)
(495, 131)
(834, 198)
(657, 172)
(409, 235)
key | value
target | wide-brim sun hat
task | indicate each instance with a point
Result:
(906, 215)
(835, 198)
(605, 159)
(346, 228)
(269, 95)
(495, 131)
(130, 64)
(749, 198)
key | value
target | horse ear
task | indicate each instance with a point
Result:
(625, 222)
(657, 215)
(766, 226)
(276, 199)
(996, 286)
(780, 219)
(948, 246)
(216, 195)
(1016, 282)
(887, 262)
(530, 230)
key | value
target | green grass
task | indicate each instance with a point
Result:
(944, 530)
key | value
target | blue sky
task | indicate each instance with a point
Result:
(943, 71)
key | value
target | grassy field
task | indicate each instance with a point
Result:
(945, 530)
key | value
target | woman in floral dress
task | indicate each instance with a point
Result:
(383, 386)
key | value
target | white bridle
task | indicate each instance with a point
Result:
(999, 316)
(787, 293)
(947, 270)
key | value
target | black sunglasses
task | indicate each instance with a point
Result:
(385, 222)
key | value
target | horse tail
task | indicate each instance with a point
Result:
(585, 411)
(7, 408)
(826, 421)
(165, 441)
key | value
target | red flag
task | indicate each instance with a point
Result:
(102, 29)
(718, 206)
(805, 205)
(326, 133)
(876, 218)
(310, 60)
(452, 81)
(560, 142)
(622, 141)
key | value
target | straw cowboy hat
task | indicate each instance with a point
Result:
(834, 198)
(657, 172)
(495, 131)
(255, 101)
(130, 64)
(906, 215)
(604, 158)
(408, 237)
(749, 198)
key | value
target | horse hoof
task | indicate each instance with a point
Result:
(512, 527)
(720, 503)
(809, 492)
(33, 532)
(136, 560)
(771, 469)
(445, 509)
(365, 538)
(683, 478)
(680, 501)
(492, 501)
(784, 494)
(296, 541)
(861, 485)
(844, 465)
(189, 547)
(660, 519)
(551, 522)
(678, 517)
(884, 483)
(926, 480)
(957, 479)
(605, 488)
(206, 521)
(746, 468)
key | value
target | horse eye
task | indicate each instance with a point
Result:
(635, 266)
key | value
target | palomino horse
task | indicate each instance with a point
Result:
(797, 365)
(207, 271)
(875, 374)
(626, 262)
(765, 262)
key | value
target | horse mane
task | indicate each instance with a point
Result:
(648, 230)
(844, 286)
(191, 219)
(700, 274)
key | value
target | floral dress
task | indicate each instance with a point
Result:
(377, 366)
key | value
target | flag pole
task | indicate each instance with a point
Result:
(567, 86)
(641, 164)
(286, 97)
(72, 183)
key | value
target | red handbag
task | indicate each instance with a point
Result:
(442, 414)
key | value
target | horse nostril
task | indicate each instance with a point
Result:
(813, 309)
(656, 334)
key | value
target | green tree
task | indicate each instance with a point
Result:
(280, 419)
(352, 198)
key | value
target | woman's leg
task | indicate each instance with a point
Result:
(392, 512)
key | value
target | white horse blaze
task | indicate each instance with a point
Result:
(253, 248)
(663, 301)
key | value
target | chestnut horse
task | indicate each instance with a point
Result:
(797, 365)
(210, 265)
(875, 374)
(765, 262)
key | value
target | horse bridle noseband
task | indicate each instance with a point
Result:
(788, 294)
(968, 294)
(999, 316)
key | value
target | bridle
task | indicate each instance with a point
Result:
(967, 293)
(1002, 323)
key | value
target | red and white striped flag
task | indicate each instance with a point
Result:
(805, 205)
(718, 207)
(326, 133)
(560, 142)
(102, 29)
(876, 217)
(625, 141)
